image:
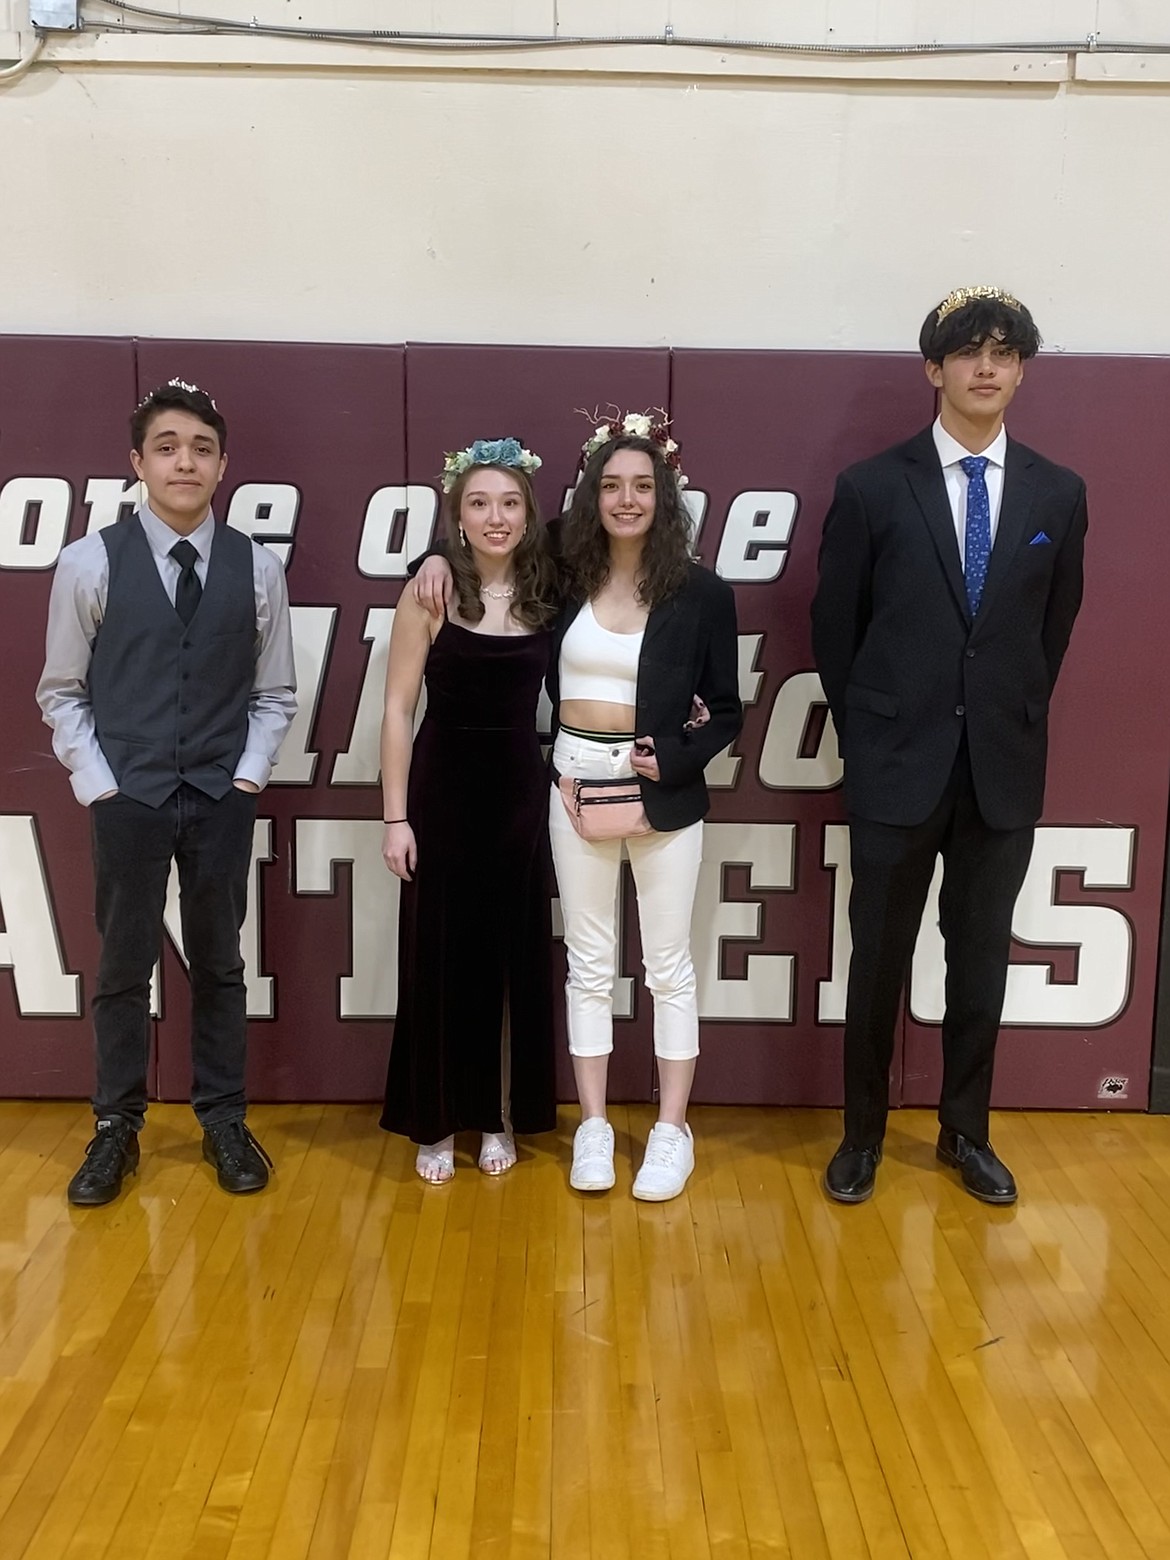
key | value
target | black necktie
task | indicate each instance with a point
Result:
(188, 590)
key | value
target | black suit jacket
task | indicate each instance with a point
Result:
(904, 667)
(689, 647)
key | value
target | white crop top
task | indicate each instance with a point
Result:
(598, 664)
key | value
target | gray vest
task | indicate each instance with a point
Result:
(170, 703)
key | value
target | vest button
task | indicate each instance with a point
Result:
(186, 644)
(960, 709)
(970, 655)
(186, 676)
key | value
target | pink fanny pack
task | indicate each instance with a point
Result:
(604, 809)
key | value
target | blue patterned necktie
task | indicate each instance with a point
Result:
(977, 544)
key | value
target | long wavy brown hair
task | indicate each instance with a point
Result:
(666, 548)
(535, 601)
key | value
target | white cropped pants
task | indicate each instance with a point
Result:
(666, 875)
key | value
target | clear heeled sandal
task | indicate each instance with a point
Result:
(497, 1153)
(435, 1162)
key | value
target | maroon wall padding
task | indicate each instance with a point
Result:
(331, 420)
(64, 411)
(787, 421)
(341, 422)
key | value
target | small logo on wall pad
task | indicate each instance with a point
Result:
(1113, 1089)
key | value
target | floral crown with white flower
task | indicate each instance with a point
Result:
(653, 425)
(488, 452)
(175, 384)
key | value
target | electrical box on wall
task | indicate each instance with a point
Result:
(59, 15)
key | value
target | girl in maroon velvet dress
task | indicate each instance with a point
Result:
(466, 807)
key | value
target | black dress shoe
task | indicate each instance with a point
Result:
(112, 1154)
(984, 1174)
(241, 1165)
(850, 1174)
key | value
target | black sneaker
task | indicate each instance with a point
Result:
(112, 1154)
(240, 1163)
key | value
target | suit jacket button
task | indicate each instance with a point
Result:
(969, 654)
(960, 709)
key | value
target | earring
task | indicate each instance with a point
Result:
(462, 537)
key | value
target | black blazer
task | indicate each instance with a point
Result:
(904, 667)
(689, 648)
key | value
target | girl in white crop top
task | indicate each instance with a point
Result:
(598, 665)
(626, 544)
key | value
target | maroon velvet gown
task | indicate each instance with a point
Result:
(475, 932)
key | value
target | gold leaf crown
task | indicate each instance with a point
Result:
(965, 295)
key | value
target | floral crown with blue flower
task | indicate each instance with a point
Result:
(488, 452)
(653, 425)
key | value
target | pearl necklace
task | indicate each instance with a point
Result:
(498, 595)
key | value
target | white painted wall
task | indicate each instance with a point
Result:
(248, 187)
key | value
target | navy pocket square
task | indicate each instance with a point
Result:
(1041, 539)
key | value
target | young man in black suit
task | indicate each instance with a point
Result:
(950, 578)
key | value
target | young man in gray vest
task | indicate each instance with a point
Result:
(169, 686)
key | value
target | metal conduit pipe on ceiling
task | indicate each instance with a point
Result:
(1090, 44)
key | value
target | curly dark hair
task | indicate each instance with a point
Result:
(535, 602)
(976, 322)
(176, 397)
(666, 551)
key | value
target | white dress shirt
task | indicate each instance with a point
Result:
(77, 605)
(950, 453)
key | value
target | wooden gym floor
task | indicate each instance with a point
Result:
(353, 1364)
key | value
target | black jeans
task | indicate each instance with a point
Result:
(133, 846)
(983, 870)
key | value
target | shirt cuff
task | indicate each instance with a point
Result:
(255, 767)
(92, 781)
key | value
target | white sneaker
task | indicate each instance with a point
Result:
(592, 1156)
(670, 1158)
